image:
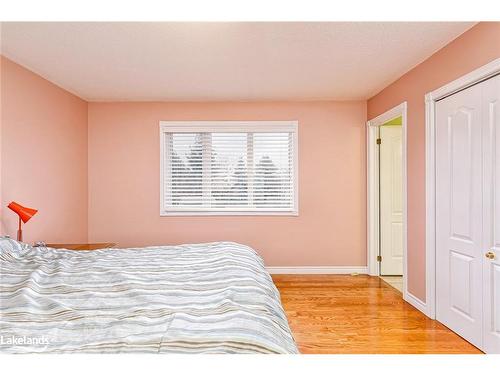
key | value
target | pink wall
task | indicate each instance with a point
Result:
(43, 156)
(330, 230)
(476, 47)
(1, 126)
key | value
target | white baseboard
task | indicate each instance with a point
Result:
(416, 302)
(332, 270)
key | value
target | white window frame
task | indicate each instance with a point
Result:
(227, 127)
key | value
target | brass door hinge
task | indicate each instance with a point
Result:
(379, 141)
(379, 258)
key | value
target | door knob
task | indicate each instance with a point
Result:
(490, 255)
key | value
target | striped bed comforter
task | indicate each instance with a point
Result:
(203, 298)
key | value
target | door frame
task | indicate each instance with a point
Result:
(373, 206)
(484, 72)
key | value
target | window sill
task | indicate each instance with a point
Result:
(229, 213)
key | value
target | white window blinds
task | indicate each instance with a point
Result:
(228, 167)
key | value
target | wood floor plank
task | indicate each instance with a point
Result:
(359, 314)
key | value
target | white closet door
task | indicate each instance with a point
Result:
(459, 251)
(391, 200)
(491, 212)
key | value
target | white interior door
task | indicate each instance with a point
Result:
(391, 200)
(459, 251)
(491, 215)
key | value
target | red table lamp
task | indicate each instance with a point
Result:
(25, 213)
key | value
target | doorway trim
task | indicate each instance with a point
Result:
(465, 81)
(373, 207)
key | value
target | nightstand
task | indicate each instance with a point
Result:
(81, 246)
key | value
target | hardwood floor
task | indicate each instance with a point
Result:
(359, 314)
(395, 281)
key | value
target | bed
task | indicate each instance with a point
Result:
(201, 298)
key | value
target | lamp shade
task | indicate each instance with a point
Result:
(25, 213)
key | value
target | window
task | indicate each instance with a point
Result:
(228, 167)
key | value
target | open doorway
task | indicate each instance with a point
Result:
(386, 141)
(390, 257)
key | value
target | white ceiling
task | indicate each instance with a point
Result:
(169, 61)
